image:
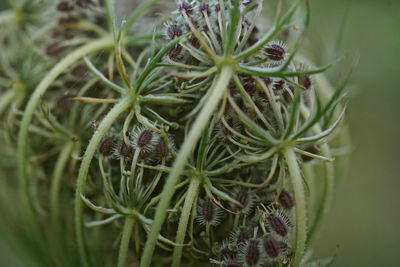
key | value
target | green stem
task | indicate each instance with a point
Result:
(327, 194)
(55, 185)
(300, 199)
(329, 187)
(6, 99)
(23, 176)
(106, 123)
(126, 236)
(194, 135)
(183, 221)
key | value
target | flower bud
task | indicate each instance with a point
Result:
(276, 51)
(106, 146)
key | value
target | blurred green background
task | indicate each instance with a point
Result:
(365, 219)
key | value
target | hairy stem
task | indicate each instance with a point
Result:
(194, 135)
(300, 198)
(106, 123)
(126, 236)
(183, 221)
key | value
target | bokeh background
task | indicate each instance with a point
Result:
(365, 219)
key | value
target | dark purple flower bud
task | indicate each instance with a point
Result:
(279, 85)
(286, 199)
(163, 148)
(306, 81)
(144, 138)
(246, 201)
(124, 150)
(284, 248)
(242, 235)
(271, 247)
(54, 49)
(252, 253)
(217, 8)
(209, 213)
(276, 52)
(187, 8)
(267, 80)
(174, 31)
(106, 146)
(279, 223)
(205, 8)
(65, 6)
(175, 52)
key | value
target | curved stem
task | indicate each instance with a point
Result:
(6, 99)
(27, 118)
(126, 236)
(300, 199)
(106, 123)
(183, 221)
(194, 135)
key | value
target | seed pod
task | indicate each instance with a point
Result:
(65, 6)
(175, 52)
(286, 199)
(54, 49)
(251, 254)
(106, 146)
(208, 213)
(217, 8)
(144, 139)
(162, 148)
(174, 31)
(205, 8)
(279, 85)
(276, 51)
(241, 236)
(187, 8)
(279, 223)
(306, 81)
(246, 201)
(123, 150)
(267, 80)
(271, 246)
